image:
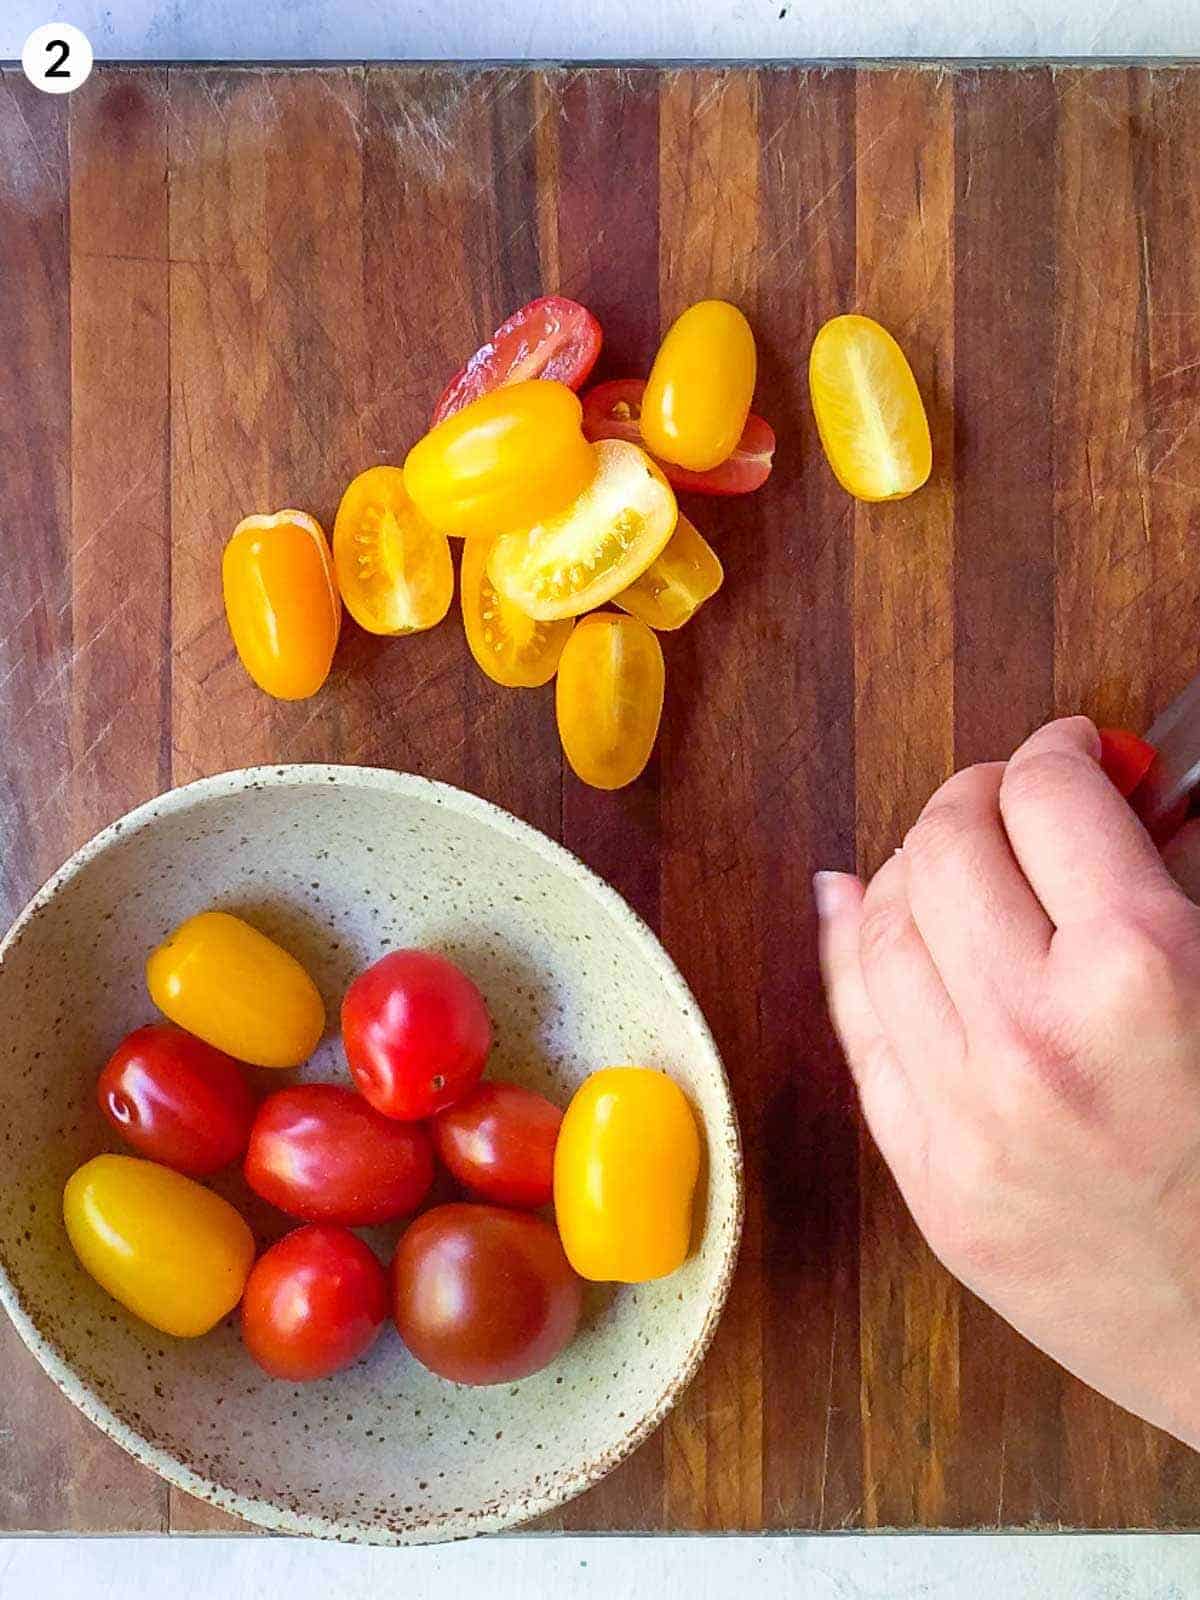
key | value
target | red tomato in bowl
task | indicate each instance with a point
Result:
(549, 338)
(313, 1303)
(320, 1152)
(482, 1294)
(416, 1032)
(498, 1141)
(176, 1099)
(1125, 758)
(613, 410)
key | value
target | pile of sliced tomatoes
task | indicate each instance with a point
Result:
(482, 1289)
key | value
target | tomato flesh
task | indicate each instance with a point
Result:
(320, 1152)
(498, 1141)
(314, 1302)
(394, 570)
(416, 1032)
(613, 410)
(552, 337)
(281, 603)
(698, 394)
(596, 547)
(176, 1099)
(1125, 757)
(869, 411)
(608, 698)
(511, 647)
(676, 583)
(482, 1294)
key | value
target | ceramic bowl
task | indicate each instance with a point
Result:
(341, 864)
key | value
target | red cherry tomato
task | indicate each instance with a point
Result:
(613, 411)
(176, 1099)
(484, 1295)
(320, 1152)
(549, 338)
(1125, 758)
(416, 1033)
(313, 1303)
(498, 1141)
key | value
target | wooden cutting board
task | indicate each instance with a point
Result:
(228, 290)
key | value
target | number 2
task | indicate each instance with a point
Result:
(57, 68)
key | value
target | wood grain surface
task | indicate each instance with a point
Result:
(226, 290)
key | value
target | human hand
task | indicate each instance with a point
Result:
(1018, 995)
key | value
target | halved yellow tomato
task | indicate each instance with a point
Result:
(700, 387)
(677, 583)
(588, 553)
(280, 601)
(869, 411)
(393, 568)
(508, 644)
(609, 698)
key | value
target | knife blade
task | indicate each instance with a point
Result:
(1164, 796)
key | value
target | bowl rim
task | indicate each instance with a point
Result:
(262, 1511)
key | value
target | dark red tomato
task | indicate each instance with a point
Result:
(482, 1294)
(549, 338)
(320, 1152)
(498, 1141)
(313, 1303)
(416, 1033)
(1125, 758)
(176, 1099)
(613, 410)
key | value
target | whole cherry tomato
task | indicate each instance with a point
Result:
(281, 602)
(320, 1152)
(507, 460)
(1126, 759)
(676, 583)
(230, 985)
(698, 394)
(869, 411)
(416, 1032)
(176, 1099)
(551, 338)
(394, 571)
(170, 1250)
(613, 410)
(482, 1294)
(498, 1141)
(609, 698)
(314, 1302)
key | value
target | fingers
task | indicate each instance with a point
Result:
(1083, 851)
(888, 1102)
(1181, 856)
(975, 912)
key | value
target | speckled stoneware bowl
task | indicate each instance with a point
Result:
(340, 864)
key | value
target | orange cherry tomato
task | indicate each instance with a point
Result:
(609, 698)
(393, 569)
(698, 394)
(507, 460)
(596, 547)
(508, 644)
(869, 410)
(676, 583)
(281, 602)
(613, 410)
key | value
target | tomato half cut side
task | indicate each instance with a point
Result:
(613, 410)
(512, 648)
(552, 337)
(1125, 758)
(393, 568)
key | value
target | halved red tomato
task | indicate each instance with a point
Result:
(549, 338)
(1125, 758)
(613, 410)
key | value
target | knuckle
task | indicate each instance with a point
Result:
(952, 812)
(880, 932)
(1040, 776)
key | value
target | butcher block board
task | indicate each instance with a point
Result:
(226, 290)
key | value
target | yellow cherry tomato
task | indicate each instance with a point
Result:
(596, 547)
(236, 989)
(698, 395)
(609, 698)
(625, 1171)
(677, 583)
(170, 1250)
(508, 644)
(281, 602)
(869, 412)
(510, 458)
(393, 568)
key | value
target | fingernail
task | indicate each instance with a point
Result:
(829, 892)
